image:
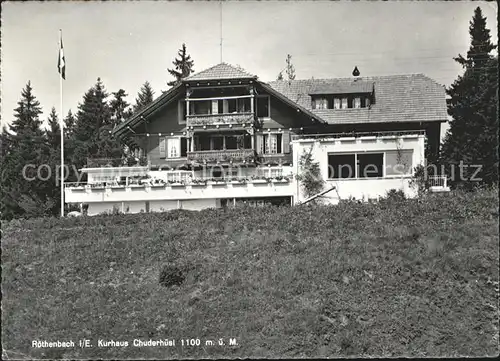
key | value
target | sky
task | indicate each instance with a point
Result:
(127, 43)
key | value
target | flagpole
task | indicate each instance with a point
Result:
(62, 129)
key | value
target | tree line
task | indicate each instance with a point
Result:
(31, 155)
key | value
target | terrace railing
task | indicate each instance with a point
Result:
(116, 162)
(438, 181)
(359, 134)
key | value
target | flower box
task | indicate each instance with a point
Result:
(222, 183)
(198, 184)
(238, 182)
(259, 181)
(280, 180)
(177, 185)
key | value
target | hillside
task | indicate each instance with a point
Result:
(400, 278)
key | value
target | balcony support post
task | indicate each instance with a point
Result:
(252, 100)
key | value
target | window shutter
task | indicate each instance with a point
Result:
(163, 147)
(184, 146)
(260, 144)
(215, 107)
(286, 141)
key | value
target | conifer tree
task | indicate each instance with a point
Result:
(53, 133)
(290, 69)
(69, 124)
(23, 192)
(144, 97)
(119, 107)
(473, 134)
(183, 66)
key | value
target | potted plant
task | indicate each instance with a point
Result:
(258, 179)
(198, 182)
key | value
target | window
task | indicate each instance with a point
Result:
(336, 103)
(270, 143)
(358, 165)
(218, 143)
(263, 110)
(344, 103)
(173, 147)
(200, 107)
(341, 166)
(357, 102)
(370, 165)
(231, 142)
(182, 111)
(202, 143)
(398, 162)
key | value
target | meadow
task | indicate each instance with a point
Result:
(415, 278)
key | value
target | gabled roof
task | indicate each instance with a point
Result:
(221, 71)
(149, 109)
(398, 98)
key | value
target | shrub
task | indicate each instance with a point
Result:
(395, 195)
(171, 275)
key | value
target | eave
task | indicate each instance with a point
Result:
(126, 128)
(291, 103)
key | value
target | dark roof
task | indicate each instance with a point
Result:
(343, 86)
(149, 109)
(398, 98)
(221, 71)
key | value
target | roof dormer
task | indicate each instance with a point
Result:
(357, 93)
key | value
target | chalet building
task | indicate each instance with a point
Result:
(222, 137)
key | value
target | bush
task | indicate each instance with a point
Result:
(394, 195)
(170, 276)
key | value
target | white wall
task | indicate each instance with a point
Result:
(359, 188)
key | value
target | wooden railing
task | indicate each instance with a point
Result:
(278, 158)
(215, 119)
(224, 156)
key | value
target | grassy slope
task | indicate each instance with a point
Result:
(389, 279)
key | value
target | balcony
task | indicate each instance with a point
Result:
(275, 159)
(220, 119)
(222, 156)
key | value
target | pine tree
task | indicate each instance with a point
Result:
(144, 97)
(290, 69)
(53, 133)
(23, 192)
(119, 107)
(472, 137)
(69, 124)
(478, 54)
(183, 66)
(92, 134)
(280, 75)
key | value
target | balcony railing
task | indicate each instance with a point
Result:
(220, 119)
(359, 134)
(117, 162)
(279, 158)
(222, 156)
